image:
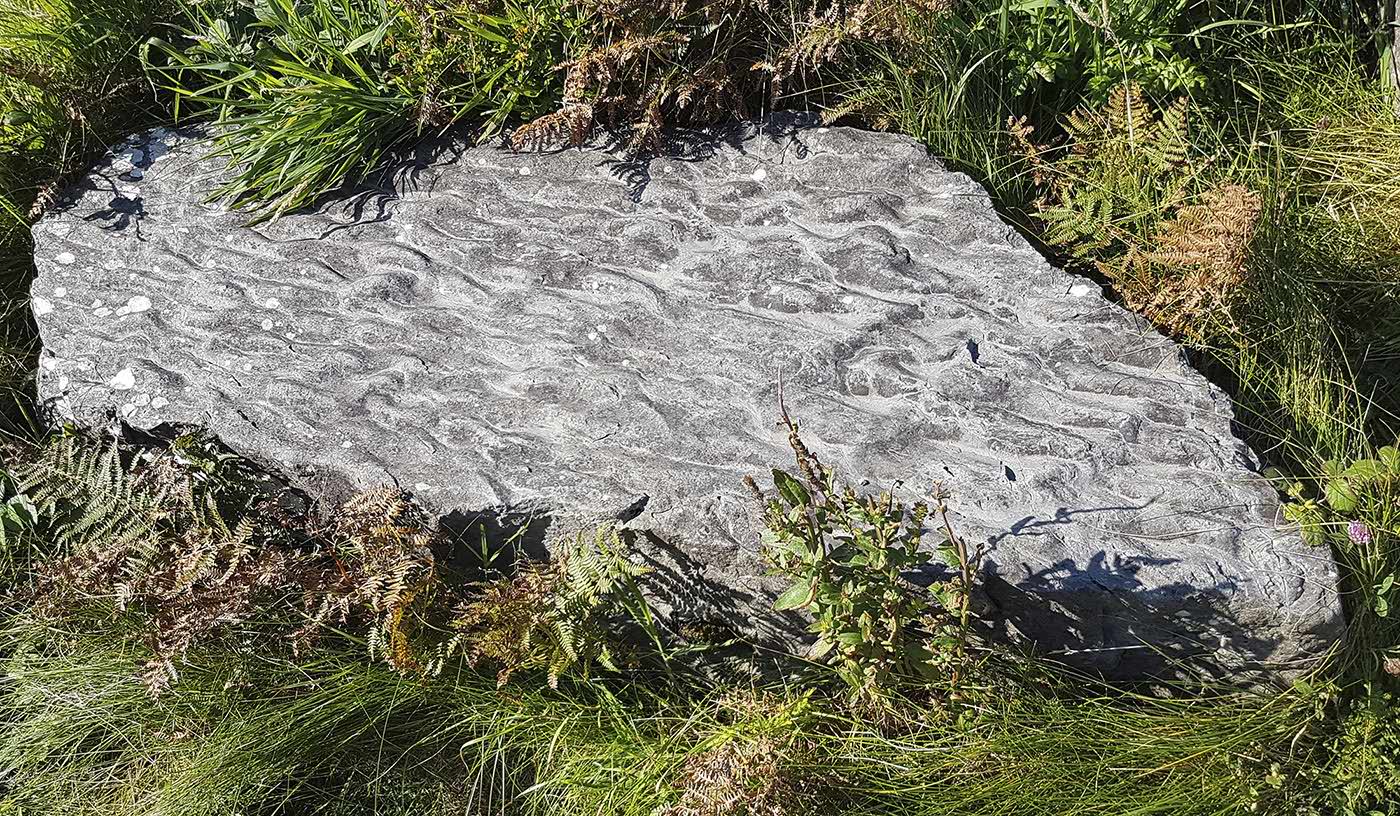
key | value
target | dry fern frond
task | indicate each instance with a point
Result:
(568, 125)
(711, 92)
(1023, 146)
(682, 62)
(827, 30)
(382, 525)
(1195, 267)
(599, 68)
(45, 198)
(383, 543)
(181, 619)
(1213, 235)
(586, 82)
(499, 626)
(739, 776)
(647, 130)
(151, 536)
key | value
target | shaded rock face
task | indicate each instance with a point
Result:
(588, 339)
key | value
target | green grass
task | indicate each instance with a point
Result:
(252, 733)
(1286, 100)
(308, 98)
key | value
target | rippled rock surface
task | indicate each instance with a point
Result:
(583, 338)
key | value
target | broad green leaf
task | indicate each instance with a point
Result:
(1340, 496)
(797, 596)
(790, 489)
(1365, 469)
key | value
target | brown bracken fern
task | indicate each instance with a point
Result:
(738, 777)
(148, 538)
(1117, 198)
(381, 544)
(1193, 271)
(698, 62)
(189, 544)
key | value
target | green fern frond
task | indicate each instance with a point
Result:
(1126, 171)
(1169, 142)
(558, 617)
(89, 499)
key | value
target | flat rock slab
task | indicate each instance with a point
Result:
(593, 338)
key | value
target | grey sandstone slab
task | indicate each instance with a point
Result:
(586, 337)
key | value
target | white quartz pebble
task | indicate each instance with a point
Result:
(123, 380)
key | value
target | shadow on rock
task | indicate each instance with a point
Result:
(692, 145)
(1100, 616)
(492, 539)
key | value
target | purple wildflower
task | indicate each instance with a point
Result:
(1359, 533)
